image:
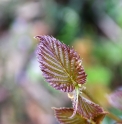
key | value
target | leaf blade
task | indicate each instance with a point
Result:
(63, 114)
(99, 118)
(61, 65)
(87, 108)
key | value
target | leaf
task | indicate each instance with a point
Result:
(87, 108)
(63, 114)
(99, 118)
(61, 65)
(115, 99)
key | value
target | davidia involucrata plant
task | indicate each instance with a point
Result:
(62, 68)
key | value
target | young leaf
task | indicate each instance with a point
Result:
(63, 114)
(61, 65)
(87, 108)
(115, 99)
(99, 118)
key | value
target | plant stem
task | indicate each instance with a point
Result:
(89, 96)
(109, 114)
(114, 117)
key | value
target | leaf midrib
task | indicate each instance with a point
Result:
(70, 76)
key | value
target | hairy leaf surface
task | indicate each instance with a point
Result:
(63, 115)
(87, 108)
(61, 65)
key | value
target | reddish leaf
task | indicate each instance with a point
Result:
(115, 99)
(87, 108)
(63, 115)
(61, 65)
(99, 118)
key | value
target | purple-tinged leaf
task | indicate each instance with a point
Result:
(61, 65)
(87, 108)
(63, 114)
(115, 99)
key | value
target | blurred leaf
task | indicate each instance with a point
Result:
(115, 99)
(109, 52)
(68, 26)
(99, 74)
(61, 65)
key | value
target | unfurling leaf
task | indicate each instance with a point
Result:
(61, 65)
(87, 108)
(115, 99)
(63, 114)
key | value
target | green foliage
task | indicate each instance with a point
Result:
(99, 74)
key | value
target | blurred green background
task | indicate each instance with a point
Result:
(92, 27)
